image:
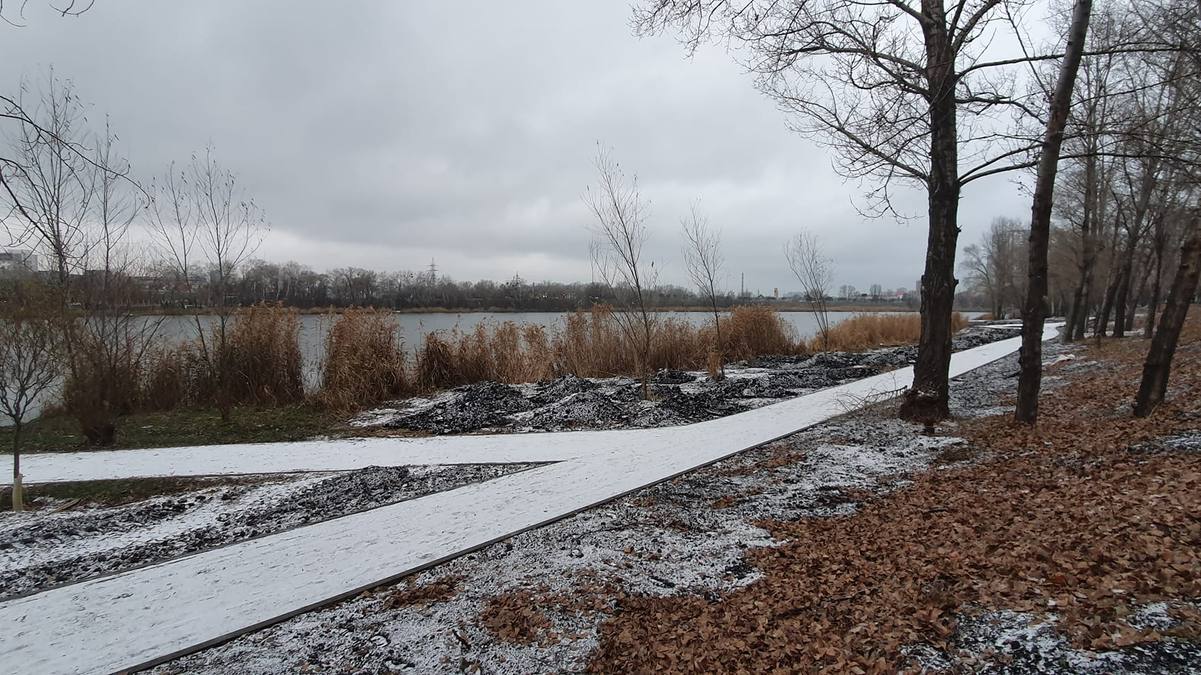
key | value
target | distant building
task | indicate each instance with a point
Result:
(14, 262)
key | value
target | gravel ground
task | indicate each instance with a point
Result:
(533, 603)
(680, 397)
(41, 549)
(1015, 643)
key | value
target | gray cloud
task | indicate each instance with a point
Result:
(385, 134)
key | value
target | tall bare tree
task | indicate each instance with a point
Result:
(909, 90)
(109, 338)
(617, 256)
(206, 214)
(812, 269)
(49, 179)
(994, 266)
(1034, 310)
(1180, 21)
(30, 364)
(703, 261)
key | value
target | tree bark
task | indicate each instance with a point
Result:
(928, 399)
(18, 489)
(1158, 365)
(1034, 309)
(1122, 293)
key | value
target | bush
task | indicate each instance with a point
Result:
(364, 361)
(263, 356)
(867, 331)
(102, 382)
(757, 331)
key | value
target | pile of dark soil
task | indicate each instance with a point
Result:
(679, 397)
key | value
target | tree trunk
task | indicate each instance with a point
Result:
(1158, 365)
(1030, 359)
(1137, 296)
(18, 489)
(928, 399)
(1156, 288)
(1120, 297)
(1088, 256)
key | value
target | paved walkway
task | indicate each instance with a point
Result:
(147, 615)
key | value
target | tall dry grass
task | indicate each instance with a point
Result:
(505, 352)
(264, 359)
(867, 331)
(757, 331)
(591, 344)
(364, 361)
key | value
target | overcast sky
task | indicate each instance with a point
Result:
(385, 134)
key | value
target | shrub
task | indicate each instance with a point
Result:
(101, 383)
(757, 331)
(867, 331)
(364, 361)
(263, 356)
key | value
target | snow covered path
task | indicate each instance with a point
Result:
(345, 454)
(146, 615)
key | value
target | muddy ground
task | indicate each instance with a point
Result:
(534, 602)
(679, 397)
(42, 549)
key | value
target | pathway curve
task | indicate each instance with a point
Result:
(151, 614)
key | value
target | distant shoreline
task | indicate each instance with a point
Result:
(782, 307)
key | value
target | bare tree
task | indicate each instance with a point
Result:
(29, 366)
(703, 261)
(1034, 310)
(109, 338)
(620, 213)
(994, 265)
(206, 214)
(1158, 364)
(910, 90)
(49, 180)
(812, 269)
(170, 219)
(1181, 23)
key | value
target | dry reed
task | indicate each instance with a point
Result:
(263, 356)
(364, 361)
(867, 331)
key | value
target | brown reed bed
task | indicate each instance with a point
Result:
(868, 331)
(364, 361)
(594, 344)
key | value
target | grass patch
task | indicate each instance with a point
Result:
(121, 491)
(186, 426)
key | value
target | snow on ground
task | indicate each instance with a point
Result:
(564, 403)
(684, 536)
(687, 535)
(39, 550)
(198, 598)
(1018, 643)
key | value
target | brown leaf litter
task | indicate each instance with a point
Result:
(1063, 518)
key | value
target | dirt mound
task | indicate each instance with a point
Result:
(670, 376)
(562, 387)
(585, 409)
